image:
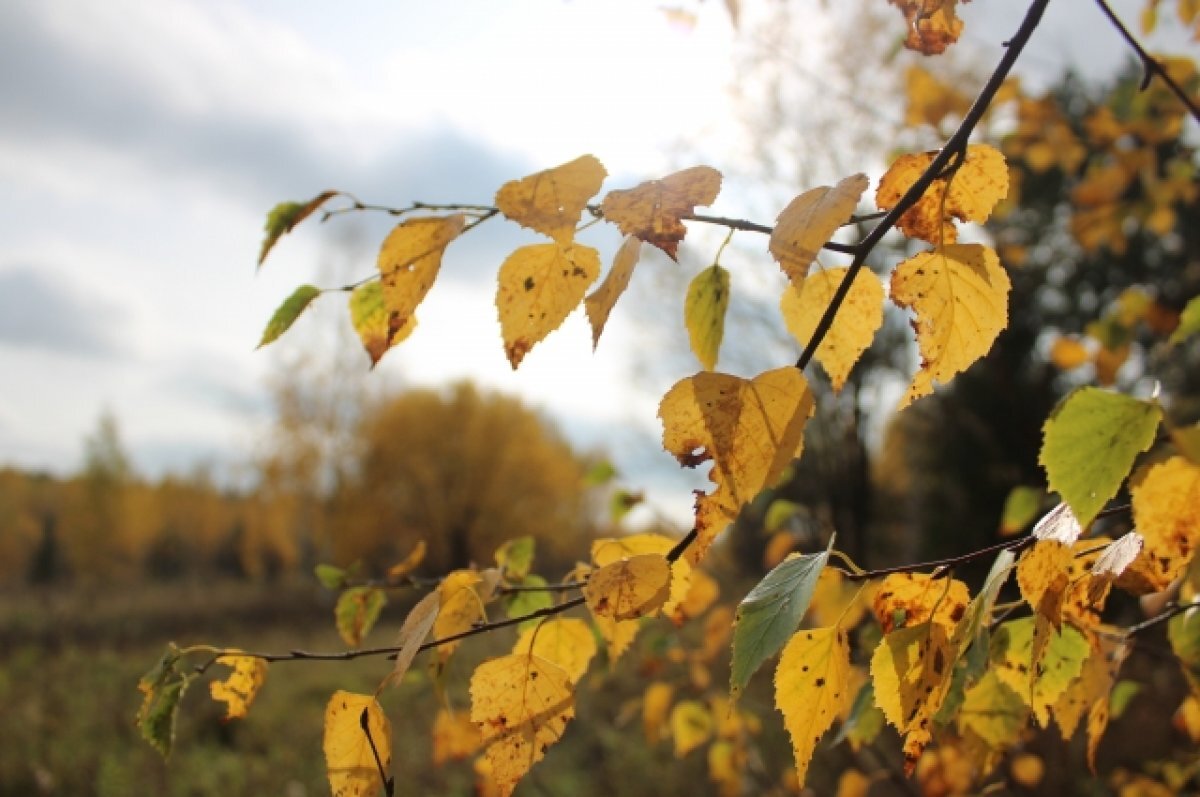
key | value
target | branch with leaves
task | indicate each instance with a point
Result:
(946, 661)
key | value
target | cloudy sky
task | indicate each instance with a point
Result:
(142, 142)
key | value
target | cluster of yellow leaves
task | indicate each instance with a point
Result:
(1186, 11)
(1108, 341)
(1121, 177)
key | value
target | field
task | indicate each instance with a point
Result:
(69, 663)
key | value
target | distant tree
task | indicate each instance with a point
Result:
(463, 470)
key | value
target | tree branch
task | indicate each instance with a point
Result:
(1150, 65)
(392, 650)
(954, 146)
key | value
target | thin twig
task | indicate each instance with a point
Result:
(1150, 65)
(392, 650)
(1166, 614)
(955, 145)
(947, 564)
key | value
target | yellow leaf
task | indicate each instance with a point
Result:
(567, 643)
(778, 547)
(812, 686)
(455, 737)
(600, 302)
(969, 194)
(1067, 353)
(704, 313)
(960, 296)
(629, 588)
(726, 761)
(539, 286)
(656, 702)
(552, 201)
(522, 704)
(408, 563)
(369, 316)
(932, 24)
(652, 211)
(854, 327)
(838, 600)
(238, 690)
(718, 628)
(930, 100)
(809, 222)
(691, 725)
(702, 593)
(751, 429)
(853, 783)
(921, 598)
(1027, 769)
(461, 608)
(1166, 512)
(409, 261)
(356, 730)
(1093, 685)
(1043, 575)
(911, 670)
(1187, 718)
(416, 626)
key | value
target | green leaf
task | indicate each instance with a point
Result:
(284, 217)
(1187, 440)
(1183, 630)
(704, 313)
(979, 612)
(1020, 508)
(779, 513)
(621, 502)
(1089, 444)
(356, 612)
(1189, 322)
(769, 615)
(331, 577)
(515, 557)
(288, 312)
(599, 474)
(519, 604)
(865, 720)
(1122, 692)
(163, 687)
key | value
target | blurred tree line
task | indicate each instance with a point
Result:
(462, 469)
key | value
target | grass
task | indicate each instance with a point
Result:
(70, 661)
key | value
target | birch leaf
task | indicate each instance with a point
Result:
(854, 327)
(1166, 512)
(552, 201)
(238, 690)
(522, 704)
(369, 315)
(600, 302)
(750, 429)
(653, 210)
(356, 730)
(704, 313)
(809, 222)
(409, 261)
(629, 588)
(812, 688)
(539, 286)
(1089, 444)
(568, 643)
(959, 294)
